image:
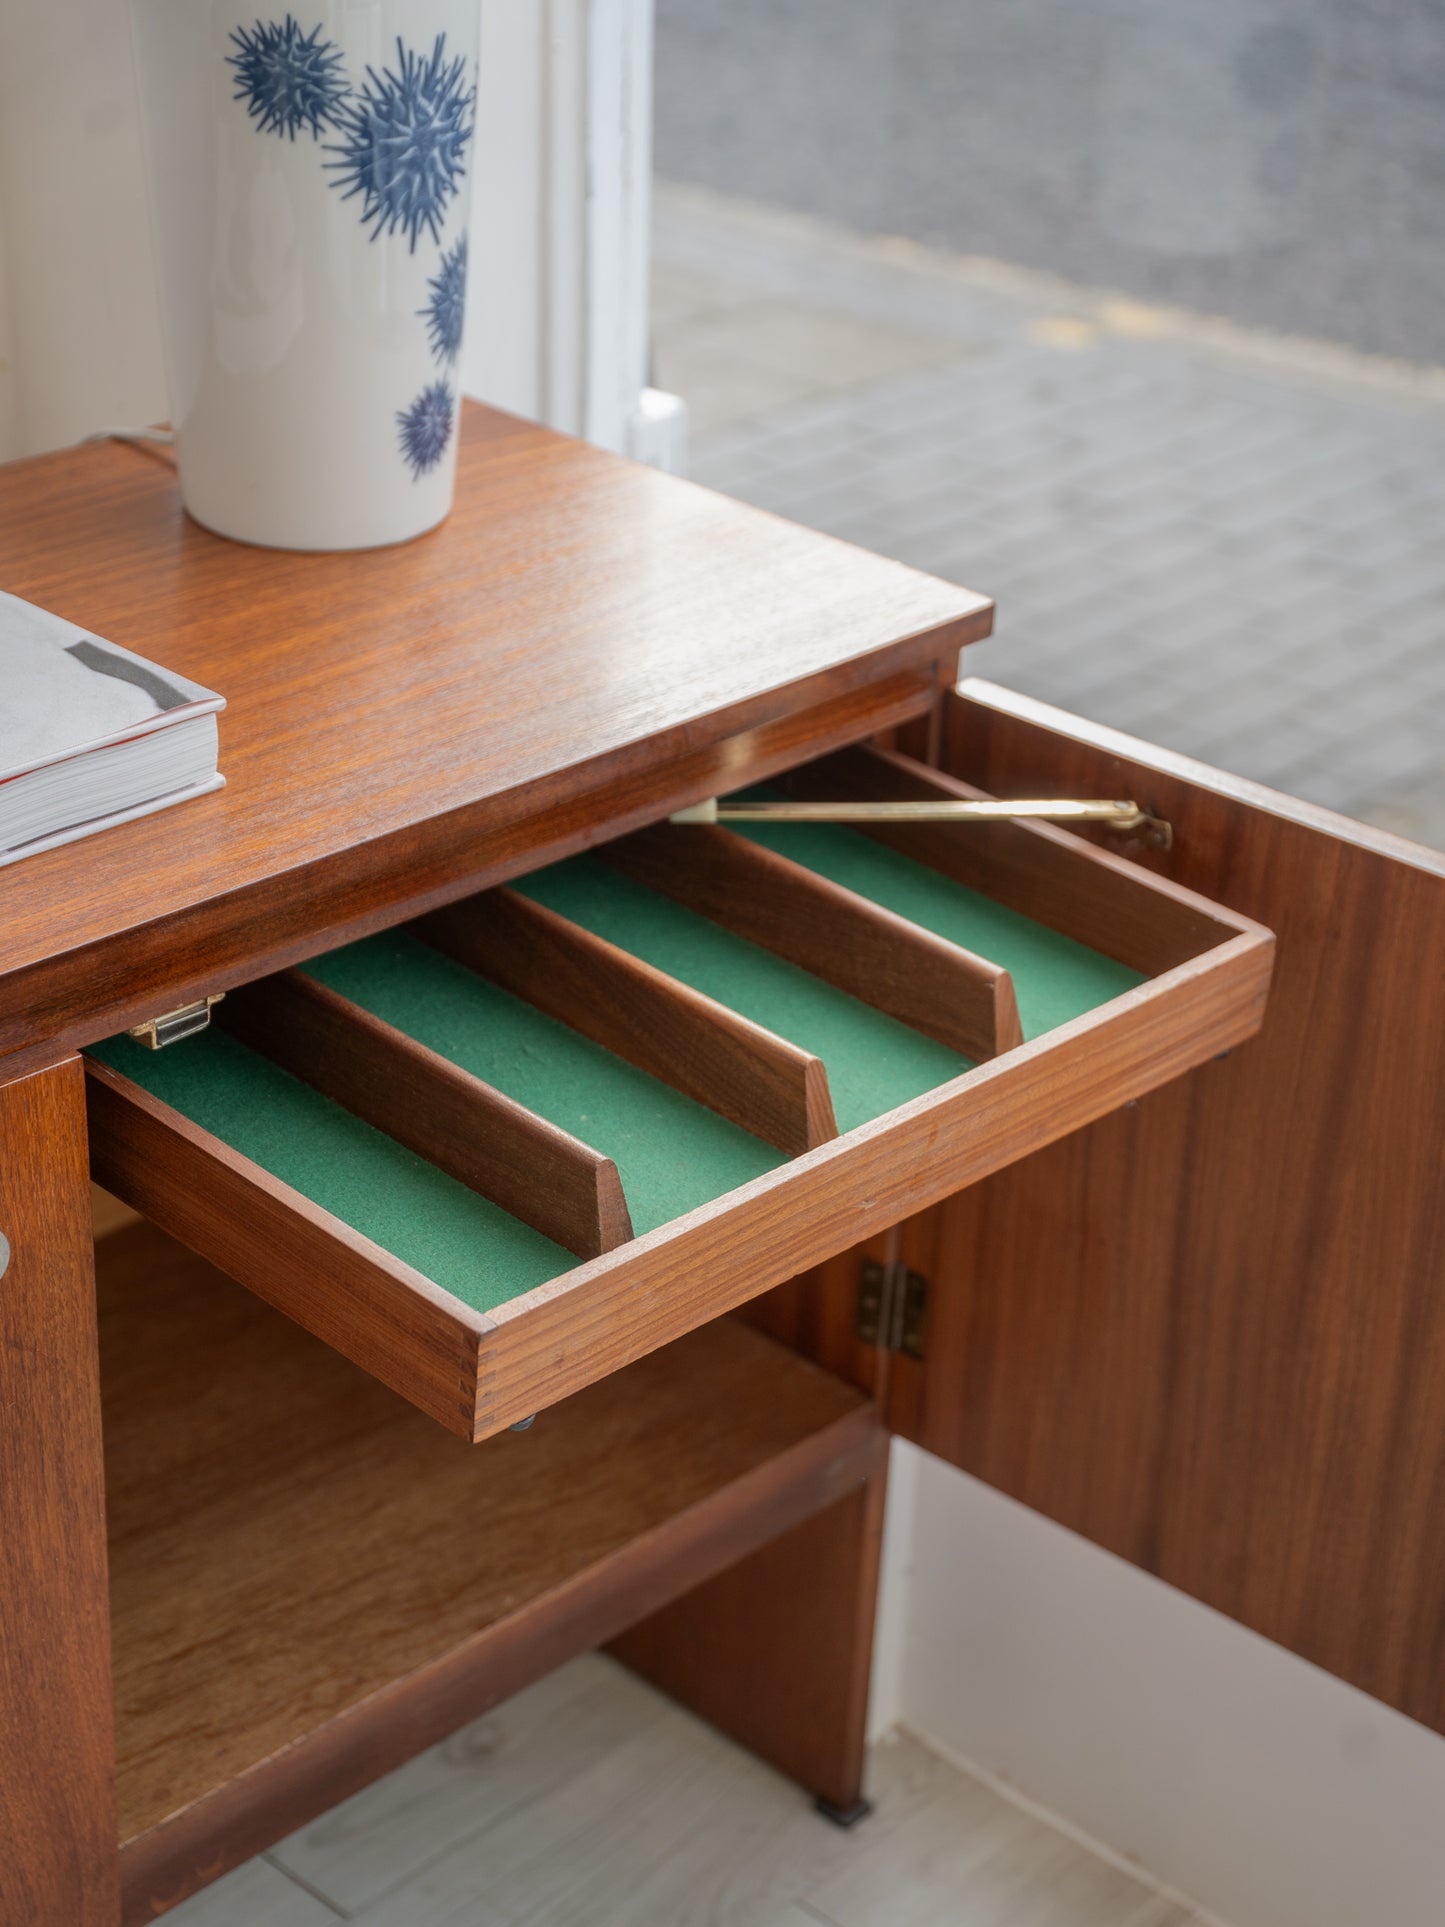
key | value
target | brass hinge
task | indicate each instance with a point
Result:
(172, 1025)
(892, 1307)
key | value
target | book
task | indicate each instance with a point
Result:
(91, 734)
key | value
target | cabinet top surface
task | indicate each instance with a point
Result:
(575, 610)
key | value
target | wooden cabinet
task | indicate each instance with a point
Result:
(516, 1088)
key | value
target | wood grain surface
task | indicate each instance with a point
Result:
(571, 649)
(296, 1609)
(371, 1307)
(80, 996)
(777, 1650)
(478, 1135)
(816, 1313)
(57, 1770)
(736, 1067)
(1209, 1332)
(948, 993)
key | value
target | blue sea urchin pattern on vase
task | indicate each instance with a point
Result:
(446, 307)
(426, 428)
(288, 80)
(403, 143)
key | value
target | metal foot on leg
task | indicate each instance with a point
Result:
(845, 1817)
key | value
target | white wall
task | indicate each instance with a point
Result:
(557, 320)
(1270, 1793)
(78, 330)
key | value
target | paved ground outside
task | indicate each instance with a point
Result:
(1229, 543)
(1280, 161)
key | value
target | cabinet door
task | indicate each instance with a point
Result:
(1208, 1331)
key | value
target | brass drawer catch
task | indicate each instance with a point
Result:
(172, 1025)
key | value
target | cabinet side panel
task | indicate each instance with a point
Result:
(57, 1770)
(1208, 1332)
(776, 1650)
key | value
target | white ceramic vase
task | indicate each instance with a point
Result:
(310, 174)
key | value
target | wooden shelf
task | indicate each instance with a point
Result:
(310, 1580)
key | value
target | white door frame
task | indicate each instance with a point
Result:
(564, 194)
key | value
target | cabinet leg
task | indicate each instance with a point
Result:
(58, 1851)
(775, 1651)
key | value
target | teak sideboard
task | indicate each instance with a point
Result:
(1107, 1170)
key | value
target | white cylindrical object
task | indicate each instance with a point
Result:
(310, 177)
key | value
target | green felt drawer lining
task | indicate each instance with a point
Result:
(672, 1154)
(1055, 978)
(462, 1242)
(874, 1063)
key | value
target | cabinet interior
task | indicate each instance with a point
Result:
(290, 1542)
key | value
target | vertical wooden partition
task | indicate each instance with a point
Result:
(776, 1650)
(951, 995)
(58, 1865)
(708, 1052)
(539, 1173)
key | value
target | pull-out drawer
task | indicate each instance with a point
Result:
(496, 1154)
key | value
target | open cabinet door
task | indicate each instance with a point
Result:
(1208, 1332)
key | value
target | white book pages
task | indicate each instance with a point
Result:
(64, 691)
(91, 734)
(90, 788)
(128, 815)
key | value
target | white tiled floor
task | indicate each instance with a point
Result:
(592, 1801)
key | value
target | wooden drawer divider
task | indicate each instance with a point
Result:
(959, 999)
(710, 1053)
(476, 1134)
